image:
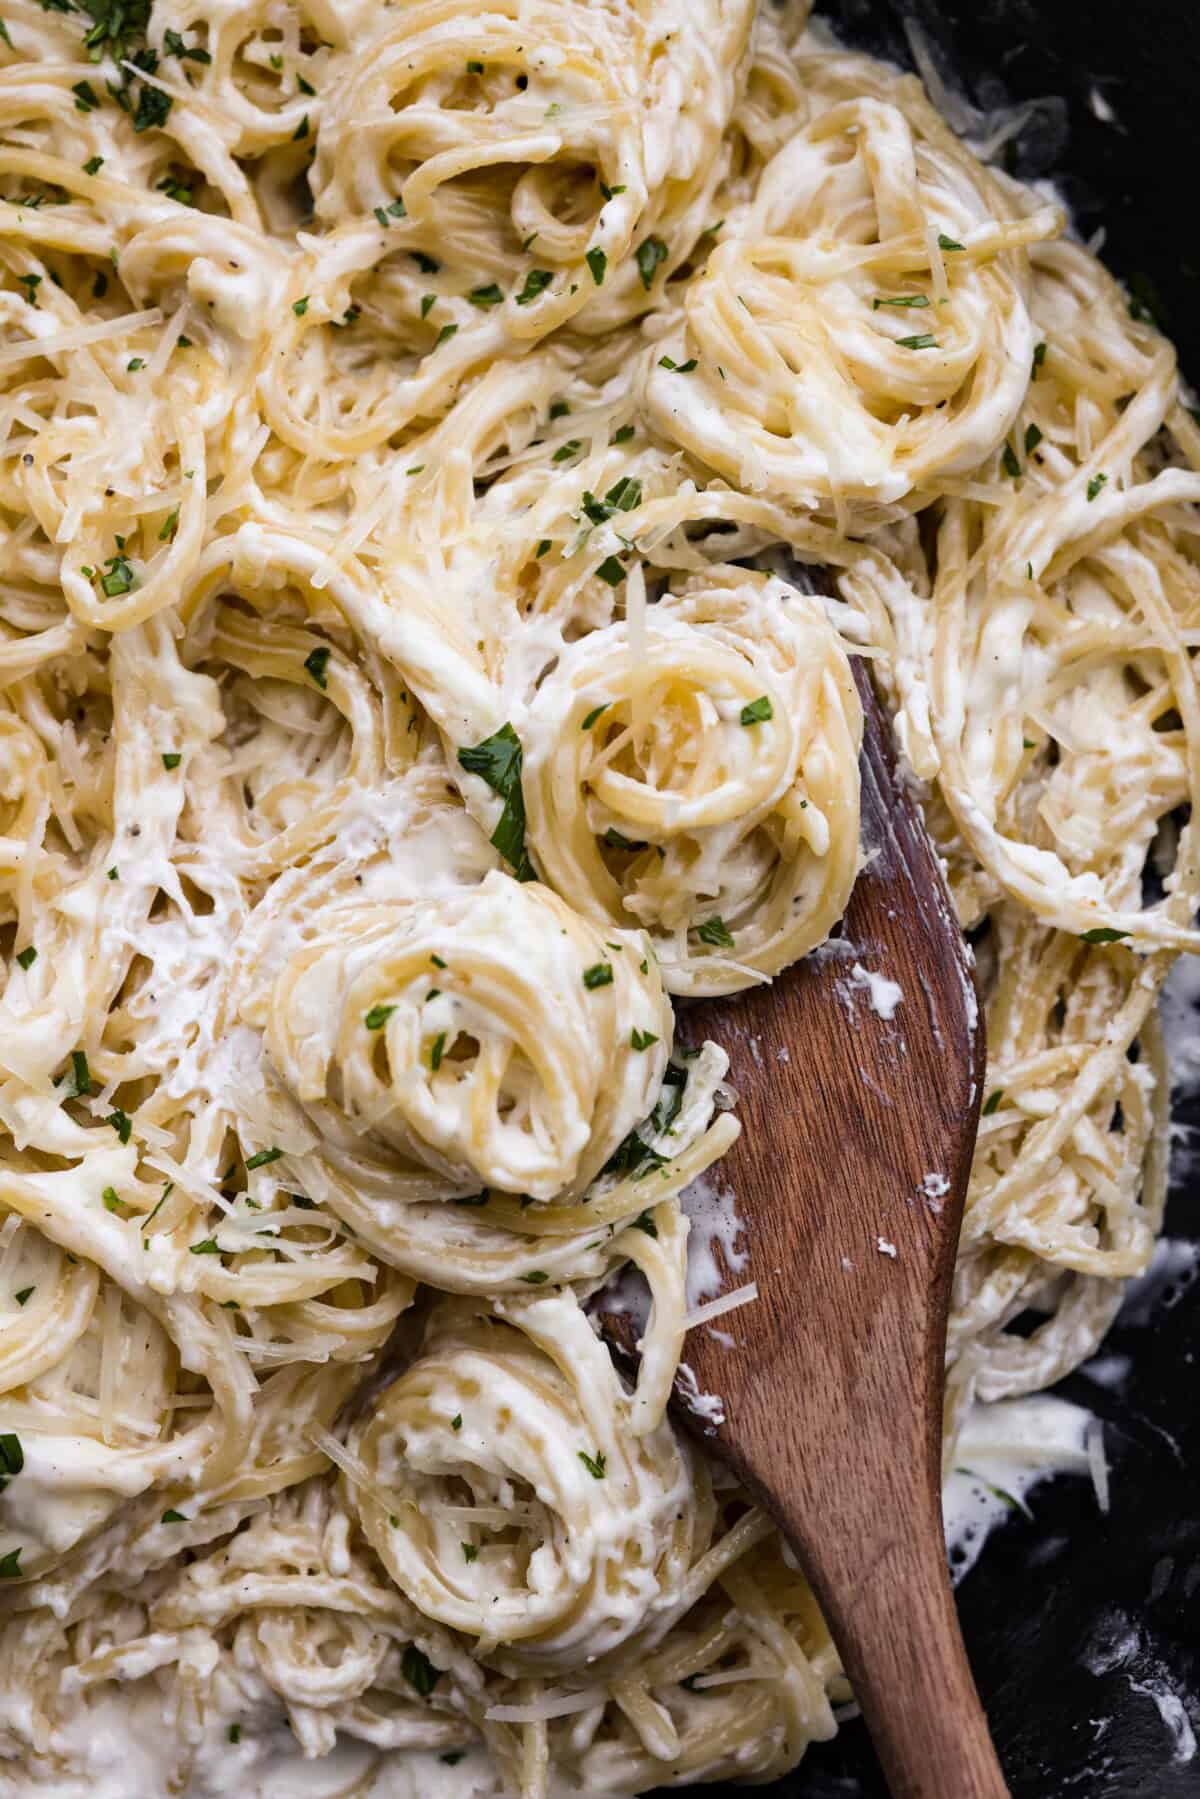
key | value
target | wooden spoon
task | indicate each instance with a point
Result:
(849, 1177)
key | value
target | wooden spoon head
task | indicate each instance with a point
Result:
(859, 1074)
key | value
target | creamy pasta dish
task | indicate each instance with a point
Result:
(417, 422)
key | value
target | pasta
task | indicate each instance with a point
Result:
(418, 425)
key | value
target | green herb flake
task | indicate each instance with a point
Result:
(921, 342)
(456, 1421)
(209, 1247)
(444, 336)
(234, 1733)
(757, 712)
(536, 282)
(315, 664)
(914, 300)
(114, 1203)
(377, 1017)
(594, 714)
(86, 97)
(1102, 934)
(597, 261)
(1009, 463)
(1094, 486)
(419, 1671)
(612, 570)
(641, 1039)
(262, 1158)
(474, 68)
(428, 302)
(992, 1104)
(93, 165)
(1033, 437)
(565, 451)
(491, 295)
(171, 759)
(171, 523)
(1039, 357)
(301, 131)
(677, 368)
(27, 956)
(78, 1083)
(544, 547)
(947, 243)
(596, 1465)
(437, 1052)
(497, 762)
(171, 1516)
(10, 1565)
(716, 932)
(623, 434)
(470, 1552)
(24, 1294)
(650, 252)
(300, 307)
(121, 1124)
(600, 974)
(617, 840)
(537, 1277)
(12, 1456)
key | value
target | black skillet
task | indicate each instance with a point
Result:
(1084, 1630)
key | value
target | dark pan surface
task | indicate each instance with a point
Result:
(1084, 1630)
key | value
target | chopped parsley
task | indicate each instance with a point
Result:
(594, 714)
(899, 300)
(114, 1203)
(86, 97)
(171, 1516)
(650, 252)
(27, 956)
(757, 712)
(428, 265)
(565, 451)
(171, 522)
(1009, 463)
(544, 547)
(715, 931)
(677, 368)
(12, 1456)
(536, 282)
(644, 1222)
(79, 1082)
(537, 1277)
(175, 46)
(616, 840)
(209, 1247)
(559, 409)
(623, 434)
(1102, 934)
(315, 664)
(24, 1294)
(301, 131)
(1039, 357)
(235, 1733)
(300, 307)
(641, 1039)
(121, 1124)
(30, 283)
(497, 762)
(597, 261)
(444, 336)
(921, 342)
(153, 108)
(456, 1421)
(171, 759)
(428, 302)
(1033, 438)
(470, 1552)
(947, 243)
(600, 974)
(1094, 486)
(490, 295)
(992, 1103)
(419, 1671)
(10, 1565)
(93, 165)
(596, 1465)
(612, 570)
(377, 1017)
(437, 1052)
(262, 1158)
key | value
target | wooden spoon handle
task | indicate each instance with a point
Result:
(892, 1613)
